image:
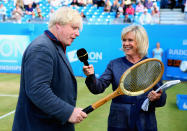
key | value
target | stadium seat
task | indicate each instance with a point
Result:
(89, 10)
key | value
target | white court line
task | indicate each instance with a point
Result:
(8, 95)
(1, 117)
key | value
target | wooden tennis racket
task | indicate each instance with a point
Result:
(135, 81)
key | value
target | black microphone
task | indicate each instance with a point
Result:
(83, 56)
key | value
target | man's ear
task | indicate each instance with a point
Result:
(57, 26)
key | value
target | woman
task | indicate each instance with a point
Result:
(17, 14)
(125, 111)
(139, 7)
(158, 52)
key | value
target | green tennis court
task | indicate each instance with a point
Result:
(169, 117)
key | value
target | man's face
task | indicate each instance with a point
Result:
(67, 33)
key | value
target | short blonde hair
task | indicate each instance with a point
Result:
(65, 15)
(140, 36)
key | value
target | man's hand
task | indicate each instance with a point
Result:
(77, 116)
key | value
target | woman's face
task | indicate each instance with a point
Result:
(158, 45)
(130, 45)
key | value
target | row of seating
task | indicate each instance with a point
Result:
(93, 14)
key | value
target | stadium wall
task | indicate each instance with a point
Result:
(102, 42)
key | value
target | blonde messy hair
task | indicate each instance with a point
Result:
(140, 37)
(65, 15)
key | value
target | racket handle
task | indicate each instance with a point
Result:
(88, 109)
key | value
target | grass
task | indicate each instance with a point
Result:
(9, 84)
(169, 117)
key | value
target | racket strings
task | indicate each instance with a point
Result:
(142, 76)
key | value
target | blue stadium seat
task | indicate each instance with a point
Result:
(131, 18)
(93, 13)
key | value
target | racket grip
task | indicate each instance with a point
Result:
(88, 109)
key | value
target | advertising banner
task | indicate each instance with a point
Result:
(12, 48)
(177, 62)
(103, 44)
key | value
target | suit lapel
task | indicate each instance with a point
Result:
(63, 56)
(51, 37)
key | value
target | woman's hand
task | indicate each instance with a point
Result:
(153, 96)
(88, 70)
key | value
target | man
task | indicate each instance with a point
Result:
(48, 86)
(145, 18)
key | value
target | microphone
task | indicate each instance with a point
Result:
(83, 56)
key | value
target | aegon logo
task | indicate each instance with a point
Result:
(12, 47)
(92, 56)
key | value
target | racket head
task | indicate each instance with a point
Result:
(141, 77)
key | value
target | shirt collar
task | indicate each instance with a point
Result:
(54, 39)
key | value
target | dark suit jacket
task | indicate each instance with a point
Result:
(48, 89)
